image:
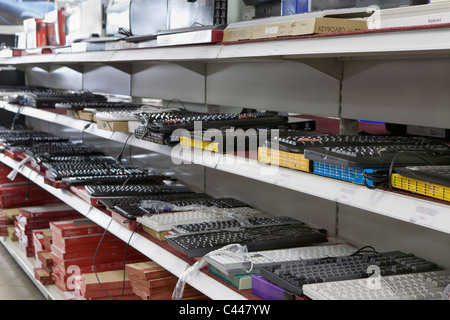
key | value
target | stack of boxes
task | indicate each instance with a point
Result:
(150, 281)
(43, 262)
(79, 246)
(30, 219)
(108, 285)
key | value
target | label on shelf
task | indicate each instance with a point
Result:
(424, 216)
(345, 195)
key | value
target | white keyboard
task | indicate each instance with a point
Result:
(234, 264)
(165, 221)
(414, 286)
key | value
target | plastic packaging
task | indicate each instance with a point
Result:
(231, 249)
(162, 206)
(12, 175)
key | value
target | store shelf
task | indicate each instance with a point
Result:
(396, 41)
(427, 213)
(201, 281)
(372, 43)
(51, 292)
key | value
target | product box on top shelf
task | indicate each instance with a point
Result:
(294, 25)
(36, 32)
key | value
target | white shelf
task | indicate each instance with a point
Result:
(430, 41)
(201, 281)
(427, 213)
(51, 292)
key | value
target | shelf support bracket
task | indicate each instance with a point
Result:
(329, 66)
(75, 67)
(196, 67)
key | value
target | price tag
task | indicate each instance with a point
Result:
(272, 30)
(424, 216)
(283, 179)
(345, 195)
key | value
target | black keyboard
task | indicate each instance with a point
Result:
(18, 135)
(96, 105)
(23, 138)
(41, 153)
(297, 143)
(255, 238)
(21, 146)
(56, 160)
(434, 174)
(381, 155)
(160, 126)
(60, 170)
(48, 99)
(292, 276)
(137, 200)
(133, 210)
(133, 190)
(232, 224)
(7, 88)
(219, 121)
(131, 178)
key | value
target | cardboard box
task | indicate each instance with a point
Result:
(294, 28)
(114, 126)
(133, 125)
(109, 280)
(147, 270)
(46, 258)
(12, 234)
(43, 276)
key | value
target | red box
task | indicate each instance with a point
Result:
(36, 31)
(147, 270)
(49, 211)
(43, 276)
(75, 228)
(82, 242)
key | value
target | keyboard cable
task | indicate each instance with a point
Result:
(391, 168)
(124, 261)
